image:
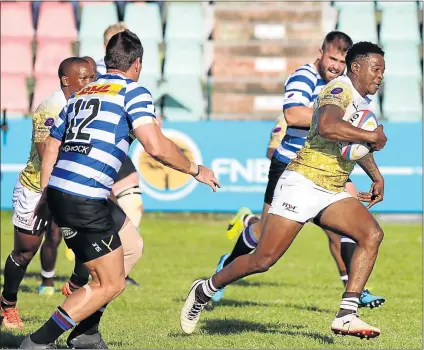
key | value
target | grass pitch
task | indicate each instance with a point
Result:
(290, 306)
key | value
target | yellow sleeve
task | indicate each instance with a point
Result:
(278, 132)
(336, 93)
(42, 120)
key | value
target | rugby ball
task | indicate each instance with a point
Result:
(365, 120)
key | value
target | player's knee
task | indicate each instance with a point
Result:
(115, 288)
(374, 237)
(262, 263)
(55, 238)
(23, 258)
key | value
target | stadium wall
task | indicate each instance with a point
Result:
(235, 150)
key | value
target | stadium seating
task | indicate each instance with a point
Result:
(16, 21)
(151, 59)
(150, 82)
(93, 48)
(359, 23)
(400, 23)
(184, 57)
(402, 60)
(185, 21)
(44, 87)
(184, 99)
(16, 57)
(402, 100)
(95, 18)
(48, 57)
(51, 23)
(145, 21)
(14, 96)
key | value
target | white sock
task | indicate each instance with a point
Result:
(208, 288)
(47, 274)
(246, 219)
(350, 303)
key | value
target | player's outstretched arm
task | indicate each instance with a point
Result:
(168, 153)
(332, 127)
(376, 193)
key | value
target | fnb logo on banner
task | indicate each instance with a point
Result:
(161, 182)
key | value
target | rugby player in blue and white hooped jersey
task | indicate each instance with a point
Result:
(92, 135)
(301, 89)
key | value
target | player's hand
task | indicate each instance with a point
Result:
(374, 196)
(42, 217)
(207, 177)
(380, 139)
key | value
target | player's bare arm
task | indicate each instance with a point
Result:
(168, 153)
(298, 116)
(51, 151)
(376, 193)
(332, 127)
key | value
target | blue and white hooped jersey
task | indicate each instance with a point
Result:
(301, 89)
(94, 128)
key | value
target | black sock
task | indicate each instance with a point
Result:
(349, 304)
(347, 249)
(244, 245)
(79, 276)
(90, 325)
(13, 275)
(57, 324)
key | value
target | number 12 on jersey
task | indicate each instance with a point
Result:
(81, 105)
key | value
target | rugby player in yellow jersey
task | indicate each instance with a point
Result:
(312, 187)
(74, 73)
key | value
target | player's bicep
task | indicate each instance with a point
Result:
(328, 116)
(139, 107)
(298, 91)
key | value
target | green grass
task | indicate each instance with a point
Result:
(291, 306)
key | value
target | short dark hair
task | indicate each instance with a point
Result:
(122, 50)
(66, 64)
(361, 49)
(341, 40)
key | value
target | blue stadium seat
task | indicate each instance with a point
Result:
(359, 24)
(400, 22)
(183, 57)
(185, 21)
(402, 100)
(145, 21)
(402, 59)
(355, 6)
(93, 48)
(183, 99)
(152, 64)
(95, 18)
(150, 82)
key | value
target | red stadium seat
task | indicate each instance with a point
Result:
(56, 21)
(44, 87)
(14, 94)
(48, 57)
(16, 57)
(16, 21)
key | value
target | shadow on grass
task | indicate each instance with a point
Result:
(37, 275)
(235, 326)
(10, 340)
(309, 308)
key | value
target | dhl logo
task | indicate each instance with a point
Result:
(105, 89)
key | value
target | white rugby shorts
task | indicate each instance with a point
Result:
(300, 199)
(24, 202)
